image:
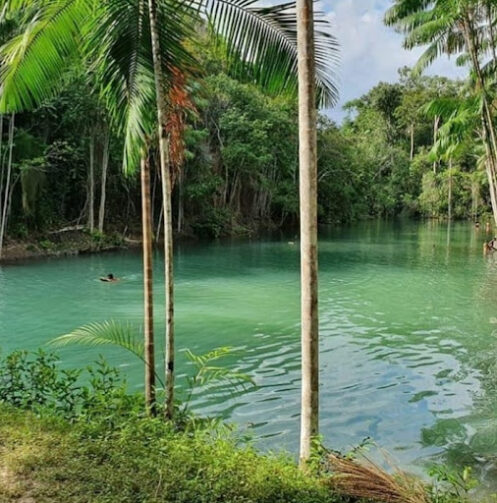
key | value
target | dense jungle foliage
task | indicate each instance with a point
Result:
(239, 172)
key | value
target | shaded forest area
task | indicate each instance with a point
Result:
(62, 166)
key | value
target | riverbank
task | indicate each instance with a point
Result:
(48, 460)
(78, 240)
(65, 242)
(44, 458)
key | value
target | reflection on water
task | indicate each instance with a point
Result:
(408, 343)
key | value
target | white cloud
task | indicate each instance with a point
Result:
(370, 51)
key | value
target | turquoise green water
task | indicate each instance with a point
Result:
(408, 342)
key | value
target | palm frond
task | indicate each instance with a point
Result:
(207, 375)
(442, 107)
(431, 53)
(262, 42)
(460, 121)
(103, 334)
(34, 61)
(404, 8)
(120, 46)
(435, 24)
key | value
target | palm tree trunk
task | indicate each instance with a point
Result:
(159, 224)
(411, 156)
(436, 123)
(308, 229)
(180, 202)
(103, 185)
(91, 186)
(6, 201)
(491, 30)
(1, 160)
(491, 184)
(166, 196)
(450, 191)
(148, 304)
(486, 114)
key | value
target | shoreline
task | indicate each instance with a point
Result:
(73, 243)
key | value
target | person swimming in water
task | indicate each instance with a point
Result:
(109, 279)
(491, 246)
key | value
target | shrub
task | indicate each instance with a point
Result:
(36, 382)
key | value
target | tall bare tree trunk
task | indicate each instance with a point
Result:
(308, 229)
(166, 195)
(490, 22)
(91, 186)
(180, 202)
(1, 161)
(148, 303)
(103, 184)
(450, 191)
(6, 201)
(475, 188)
(436, 123)
(411, 156)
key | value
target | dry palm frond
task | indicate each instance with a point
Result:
(179, 104)
(366, 480)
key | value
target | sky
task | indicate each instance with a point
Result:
(370, 52)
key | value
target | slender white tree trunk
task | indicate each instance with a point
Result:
(450, 191)
(103, 184)
(411, 156)
(1, 161)
(159, 224)
(490, 170)
(308, 228)
(436, 123)
(148, 304)
(180, 202)
(91, 186)
(6, 201)
(166, 196)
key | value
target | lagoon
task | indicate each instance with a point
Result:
(408, 333)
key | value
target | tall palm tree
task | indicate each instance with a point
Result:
(148, 328)
(266, 36)
(308, 229)
(461, 126)
(135, 60)
(464, 28)
(160, 92)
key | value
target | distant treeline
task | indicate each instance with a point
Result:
(239, 171)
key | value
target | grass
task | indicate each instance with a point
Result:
(64, 440)
(49, 460)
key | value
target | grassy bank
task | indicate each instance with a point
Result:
(79, 436)
(48, 460)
